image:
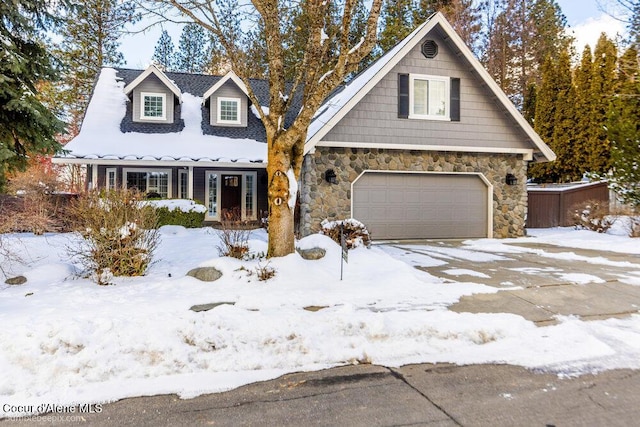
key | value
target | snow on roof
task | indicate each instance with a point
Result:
(101, 138)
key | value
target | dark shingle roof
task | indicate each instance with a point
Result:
(197, 85)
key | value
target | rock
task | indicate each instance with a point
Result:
(210, 306)
(312, 254)
(315, 308)
(18, 280)
(206, 274)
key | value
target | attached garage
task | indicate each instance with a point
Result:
(422, 205)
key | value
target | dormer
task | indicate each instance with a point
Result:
(228, 102)
(154, 97)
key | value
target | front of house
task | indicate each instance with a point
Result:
(176, 135)
(422, 144)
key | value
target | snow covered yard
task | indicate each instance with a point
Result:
(66, 340)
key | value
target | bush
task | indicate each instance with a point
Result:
(36, 206)
(234, 235)
(120, 233)
(178, 217)
(179, 212)
(592, 215)
(355, 232)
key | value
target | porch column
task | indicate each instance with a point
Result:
(190, 185)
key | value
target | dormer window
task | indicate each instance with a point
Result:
(153, 106)
(229, 110)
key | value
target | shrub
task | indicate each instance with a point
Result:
(179, 212)
(36, 207)
(265, 272)
(234, 235)
(355, 232)
(592, 215)
(120, 233)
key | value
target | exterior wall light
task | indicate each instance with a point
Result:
(511, 179)
(330, 176)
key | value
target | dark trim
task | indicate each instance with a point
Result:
(455, 99)
(403, 96)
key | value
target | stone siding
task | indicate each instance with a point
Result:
(320, 199)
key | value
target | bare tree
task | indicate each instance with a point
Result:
(324, 66)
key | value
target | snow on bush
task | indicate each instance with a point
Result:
(355, 232)
(183, 205)
(592, 215)
(178, 212)
(120, 234)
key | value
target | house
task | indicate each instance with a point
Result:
(421, 144)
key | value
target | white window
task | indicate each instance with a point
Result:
(155, 182)
(229, 110)
(111, 179)
(428, 97)
(153, 106)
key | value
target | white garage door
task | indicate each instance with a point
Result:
(421, 206)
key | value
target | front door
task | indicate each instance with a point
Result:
(231, 197)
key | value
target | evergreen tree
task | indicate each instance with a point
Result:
(544, 117)
(191, 55)
(27, 127)
(164, 55)
(397, 23)
(585, 125)
(598, 146)
(623, 127)
(91, 34)
(520, 35)
(565, 167)
(553, 120)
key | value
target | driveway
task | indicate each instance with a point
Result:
(536, 281)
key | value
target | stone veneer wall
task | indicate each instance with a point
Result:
(320, 200)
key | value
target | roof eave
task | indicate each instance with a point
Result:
(152, 69)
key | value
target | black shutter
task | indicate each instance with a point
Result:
(454, 107)
(403, 96)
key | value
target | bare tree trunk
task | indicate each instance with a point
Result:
(283, 166)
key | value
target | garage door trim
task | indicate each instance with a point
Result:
(478, 174)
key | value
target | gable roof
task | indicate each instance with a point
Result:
(337, 106)
(152, 69)
(229, 76)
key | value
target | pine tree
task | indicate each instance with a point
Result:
(623, 127)
(164, 55)
(553, 119)
(565, 167)
(27, 127)
(520, 35)
(544, 118)
(598, 146)
(191, 55)
(91, 34)
(397, 23)
(585, 125)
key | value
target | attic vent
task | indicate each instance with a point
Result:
(429, 49)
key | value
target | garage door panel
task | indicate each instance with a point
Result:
(406, 206)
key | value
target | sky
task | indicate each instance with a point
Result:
(586, 18)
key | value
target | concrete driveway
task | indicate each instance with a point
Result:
(536, 281)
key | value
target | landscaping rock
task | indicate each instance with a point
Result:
(206, 274)
(312, 254)
(18, 280)
(210, 306)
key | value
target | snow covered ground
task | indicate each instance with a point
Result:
(66, 340)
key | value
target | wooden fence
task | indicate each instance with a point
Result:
(550, 204)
